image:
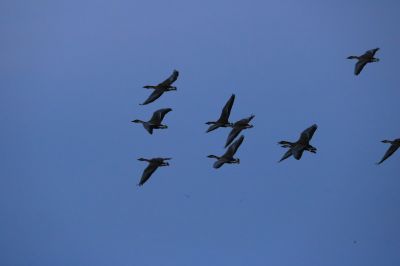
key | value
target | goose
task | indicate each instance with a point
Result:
(161, 88)
(154, 163)
(303, 144)
(228, 155)
(367, 57)
(155, 121)
(395, 144)
(223, 120)
(237, 127)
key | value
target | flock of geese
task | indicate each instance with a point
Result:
(295, 149)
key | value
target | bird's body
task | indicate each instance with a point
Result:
(237, 127)
(228, 155)
(303, 144)
(154, 163)
(394, 145)
(223, 120)
(161, 88)
(155, 120)
(367, 57)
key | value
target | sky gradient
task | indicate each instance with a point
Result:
(71, 77)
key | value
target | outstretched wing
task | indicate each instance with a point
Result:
(389, 152)
(371, 53)
(158, 115)
(154, 96)
(213, 127)
(234, 147)
(171, 79)
(226, 111)
(148, 172)
(286, 155)
(219, 163)
(360, 65)
(232, 135)
(307, 134)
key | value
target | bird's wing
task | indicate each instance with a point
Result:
(243, 121)
(360, 65)
(171, 79)
(148, 172)
(307, 134)
(286, 155)
(234, 147)
(154, 96)
(226, 111)
(232, 135)
(297, 151)
(389, 152)
(158, 115)
(219, 163)
(371, 53)
(212, 127)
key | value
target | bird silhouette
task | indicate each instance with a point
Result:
(367, 57)
(161, 88)
(228, 155)
(223, 120)
(154, 163)
(155, 120)
(302, 144)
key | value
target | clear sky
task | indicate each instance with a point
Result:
(71, 77)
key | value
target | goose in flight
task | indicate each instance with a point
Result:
(155, 121)
(303, 144)
(395, 144)
(154, 163)
(161, 88)
(223, 120)
(367, 57)
(237, 127)
(228, 155)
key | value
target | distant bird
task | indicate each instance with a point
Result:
(161, 88)
(237, 127)
(367, 57)
(303, 144)
(223, 120)
(228, 155)
(395, 144)
(154, 163)
(155, 121)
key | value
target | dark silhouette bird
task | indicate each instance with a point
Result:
(237, 127)
(161, 88)
(223, 120)
(154, 163)
(228, 155)
(395, 144)
(367, 57)
(155, 121)
(303, 144)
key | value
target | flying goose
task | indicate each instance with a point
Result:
(161, 88)
(228, 155)
(237, 127)
(303, 144)
(367, 57)
(155, 121)
(395, 144)
(223, 120)
(154, 163)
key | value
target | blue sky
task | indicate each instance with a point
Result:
(71, 81)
